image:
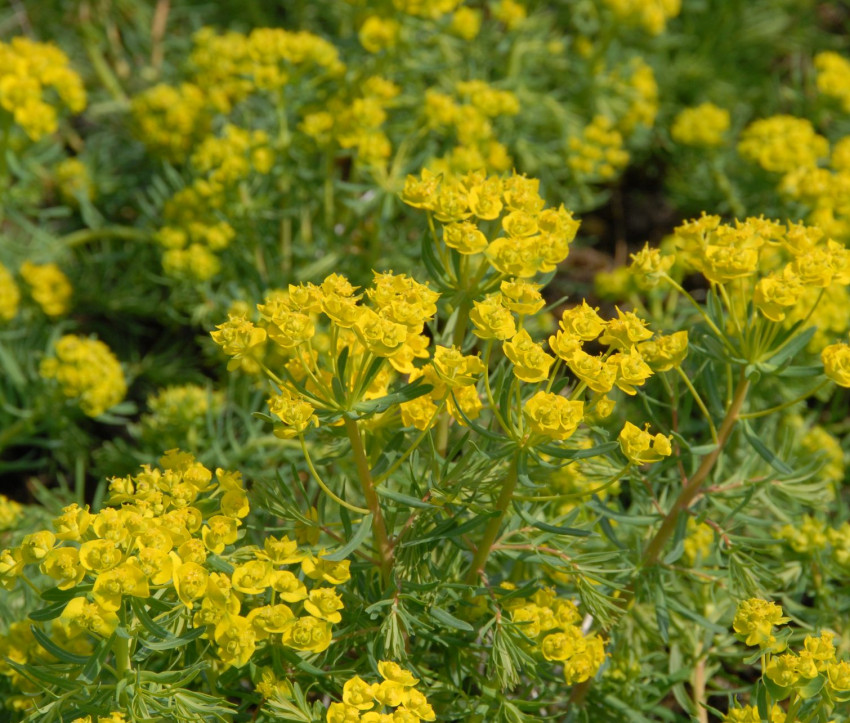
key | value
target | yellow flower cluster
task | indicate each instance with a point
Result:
(640, 447)
(769, 263)
(806, 536)
(195, 230)
(470, 121)
(87, 372)
(158, 541)
(782, 143)
(10, 295)
(754, 621)
(833, 77)
(49, 287)
(598, 154)
(29, 69)
(750, 714)
(702, 126)
(366, 702)
(231, 66)
(304, 331)
(10, 513)
(824, 191)
(640, 91)
(178, 414)
(169, 119)
(73, 181)
(650, 15)
(111, 718)
(553, 625)
(377, 33)
(698, 540)
(432, 9)
(533, 239)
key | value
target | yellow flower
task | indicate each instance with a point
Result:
(9, 295)
(783, 670)
(531, 363)
(82, 615)
(552, 415)
(454, 369)
(632, 370)
(522, 297)
(324, 604)
(836, 363)
(377, 34)
(586, 662)
(640, 447)
(111, 586)
(63, 565)
(380, 335)
(99, 555)
(235, 640)
(190, 580)
(838, 675)
(562, 645)
(702, 126)
(308, 634)
(625, 331)
(37, 546)
(252, 577)
(342, 713)
(358, 693)
(219, 532)
(754, 621)
(240, 339)
(466, 22)
(295, 414)
(592, 371)
(491, 319)
(666, 352)
(582, 322)
(393, 672)
(464, 237)
(419, 413)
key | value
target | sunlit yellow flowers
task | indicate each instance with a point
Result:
(702, 126)
(836, 363)
(531, 362)
(641, 447)
(49, 287)
(754, 621)
(552, 415)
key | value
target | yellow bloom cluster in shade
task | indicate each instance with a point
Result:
(74, 181)
(791, 670)
(30, 74)
(10, 513)
(158, 542)
(10, 295)
(177, 414)
(782, 143)
(87, 372)
(394, 700)
(111, 718)
(813, 536)
(649, 15)
(432, 9)
(49, 287)
(833, 77)
(598, 153)
(703, 126)
(227, 69)
(553, 624)
(196, 229)
(470, 122)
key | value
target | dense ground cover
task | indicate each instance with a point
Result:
(405, 360)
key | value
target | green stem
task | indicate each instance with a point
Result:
(327, 490)
(692, 488)
(87, 235)
(379, 529)
(416, 442)
(121, 649)
(780, 407)
(699, 403)
(482, 552)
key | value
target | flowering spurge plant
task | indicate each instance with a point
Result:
(158, 599)
(813, 679)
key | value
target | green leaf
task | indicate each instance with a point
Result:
(411, 391)
(446, 618)
(60, 653)
(406, 500)
(354, 543)
(562, 453)
(147, 621)
(174, 642)
(546, 527)
(48, 613)
(763, 451)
